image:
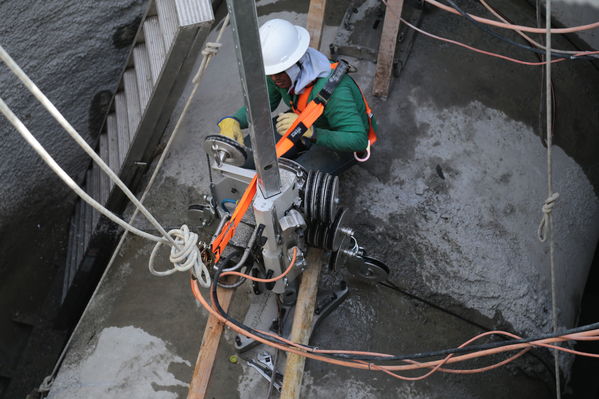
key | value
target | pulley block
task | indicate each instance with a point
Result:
(353, 257)
(321, 197)
(225, 150)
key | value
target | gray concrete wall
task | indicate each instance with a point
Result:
(571, 13)
(74, 51)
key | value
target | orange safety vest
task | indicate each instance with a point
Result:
(302, 101)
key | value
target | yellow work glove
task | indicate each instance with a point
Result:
(230, 128)
(284, 122)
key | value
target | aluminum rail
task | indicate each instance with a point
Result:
(244, 22)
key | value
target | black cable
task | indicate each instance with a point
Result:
(393, 286)
(276, 358)
(514, 43)
(223, 313)
(420, 355)
(474, 348)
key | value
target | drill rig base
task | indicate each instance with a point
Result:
(263, 314)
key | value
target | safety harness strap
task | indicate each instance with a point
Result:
(302, 102)
(304, 121)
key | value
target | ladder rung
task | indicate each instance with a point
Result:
(122, 126)
(133, 105)
(104, 179)
(96, 190)
(144, 75)
(80, 235)
(71, 255)
(88, 209)
(167, 16)
(113, 145)
(155, 45)
(190, 12)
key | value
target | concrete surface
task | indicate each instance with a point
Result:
(451, 200)
(578, 13)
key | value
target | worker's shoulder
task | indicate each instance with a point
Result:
(347, 81)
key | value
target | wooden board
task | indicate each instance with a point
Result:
(384, 63)
(208, 349)
(302, 324)
(316, 21)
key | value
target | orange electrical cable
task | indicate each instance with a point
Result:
(439, 367)
(265, 280)
(504, 57)
(523, 28)
(313, 353)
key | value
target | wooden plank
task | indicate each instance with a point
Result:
(316, 21)
(302, 324)
(384, 63)
(208, 349)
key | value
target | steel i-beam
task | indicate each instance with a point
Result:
(244, 22)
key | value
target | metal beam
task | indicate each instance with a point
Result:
(244, 22)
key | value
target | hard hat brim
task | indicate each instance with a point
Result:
(304, 43)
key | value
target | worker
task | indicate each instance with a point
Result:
(296, 71)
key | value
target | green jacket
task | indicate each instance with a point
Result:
(344, 124)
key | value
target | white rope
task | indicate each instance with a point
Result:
(185, 253)
(41, 97)
(546, 209)
(546, 225)
(47, 158)
(184, 258)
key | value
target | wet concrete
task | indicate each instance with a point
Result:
(450, 200)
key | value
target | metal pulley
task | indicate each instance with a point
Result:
(355, 259)
(329, 236)
(225, 150)
(299, 170)
(321, 196)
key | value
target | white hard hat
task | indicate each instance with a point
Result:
(283, 44)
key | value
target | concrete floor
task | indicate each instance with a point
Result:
(450, 200)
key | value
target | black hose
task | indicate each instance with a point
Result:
(420, 355)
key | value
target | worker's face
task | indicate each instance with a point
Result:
(281, 80)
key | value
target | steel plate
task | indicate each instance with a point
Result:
(234, 153)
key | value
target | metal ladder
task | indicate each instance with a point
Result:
(160, 62)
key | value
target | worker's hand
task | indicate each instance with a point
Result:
(284, 122)
(230, 127)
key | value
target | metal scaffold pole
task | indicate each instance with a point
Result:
(244, 23)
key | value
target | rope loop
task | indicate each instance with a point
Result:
(185, 255)
(211, 48)
(547, 208)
